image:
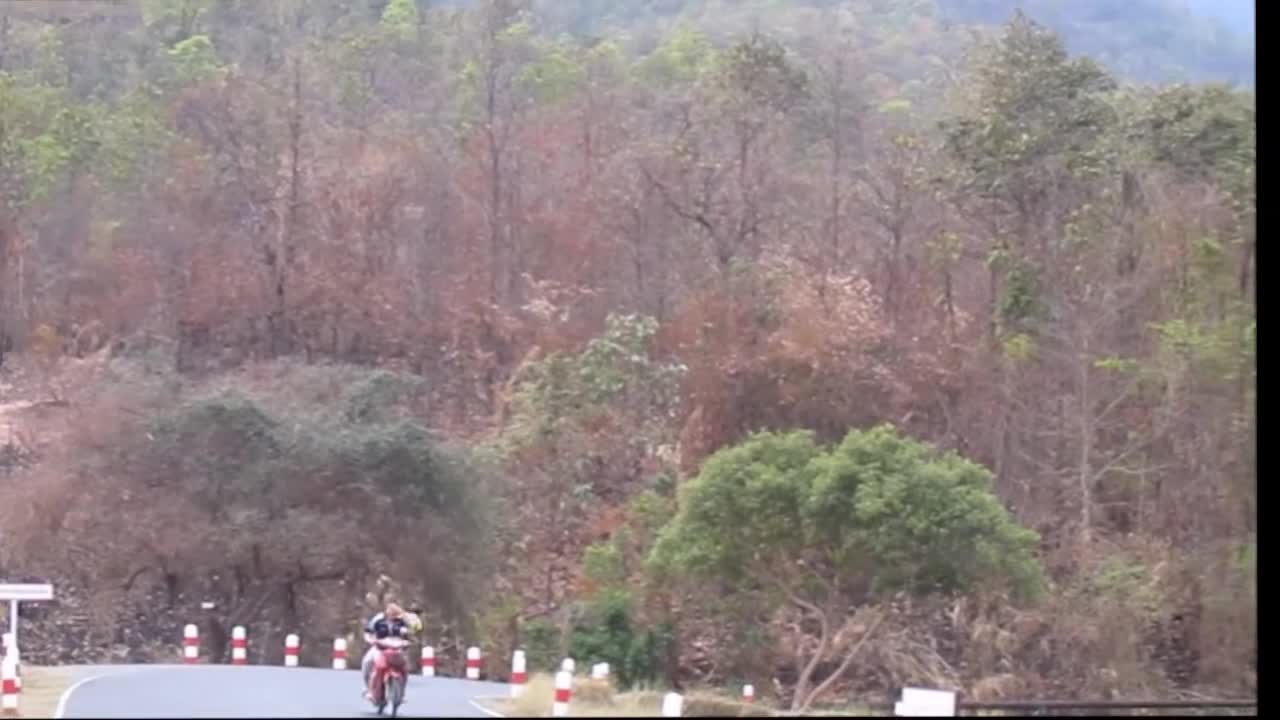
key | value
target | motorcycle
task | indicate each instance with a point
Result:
(390, 674)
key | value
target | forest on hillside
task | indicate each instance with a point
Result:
(959, 324)
(1144, 40)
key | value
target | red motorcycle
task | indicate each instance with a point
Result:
(390, 674)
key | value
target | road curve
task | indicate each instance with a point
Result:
(167, 691)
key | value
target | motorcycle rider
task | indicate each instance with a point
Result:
(392, 622)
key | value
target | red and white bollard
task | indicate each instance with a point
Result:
(190, 645)
(672, 705)
(473, 663)
(9, 686)
(564, 691)
(239, 646)
(291, 650)
(428, 661)
(11, 651)
(339, 654)
(748, 694)
(518, 675)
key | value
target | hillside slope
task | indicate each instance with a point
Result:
(308, 304)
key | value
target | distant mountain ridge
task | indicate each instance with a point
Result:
(1149, 41)
(1143, 40)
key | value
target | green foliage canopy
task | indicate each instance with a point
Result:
(877, 513)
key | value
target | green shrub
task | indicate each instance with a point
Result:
(543, 645)
(606, 632)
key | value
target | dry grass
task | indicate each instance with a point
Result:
(847, 708)
(41, 689)
(593, 698)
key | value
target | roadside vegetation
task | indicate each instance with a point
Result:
(829, 347)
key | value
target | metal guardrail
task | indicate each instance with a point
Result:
(1063, 707)
(1054, 707)
(1104, 704)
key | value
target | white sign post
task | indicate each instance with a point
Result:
(16, 593)
(918, 702)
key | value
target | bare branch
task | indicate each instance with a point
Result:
(844, 665)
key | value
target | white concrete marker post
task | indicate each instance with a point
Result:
(918, 702)
(339, 654)
(239, 646)
(748, 693)
(672, 705)
(190, 644)
(9, 686)
(518, 675)
(11, 651)
(564, 691)
(291, 650)
(600, 671)
(428, 661)
(473, 663)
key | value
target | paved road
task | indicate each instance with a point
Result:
(155, 691)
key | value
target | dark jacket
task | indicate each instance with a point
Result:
(380, 627)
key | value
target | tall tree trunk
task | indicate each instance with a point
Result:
(282, 335)
(1084, 472)
(497, 280)
(839, 671)
(805, 680)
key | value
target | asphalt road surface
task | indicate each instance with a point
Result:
(170, 691)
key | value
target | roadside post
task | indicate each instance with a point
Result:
(22, 592)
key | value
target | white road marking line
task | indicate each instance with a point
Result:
(66, 694)
(484, 709)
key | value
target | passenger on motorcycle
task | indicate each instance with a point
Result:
(393, 622)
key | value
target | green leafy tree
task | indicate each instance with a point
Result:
(820, 531)
(401, 18)
(47, 139)
(194, 59)
(615, 372)
(1027, 147)
(543, 645)
(621, 619)
(607, 631)
(43, 135)
(133, 138)
(555, 74)
(1208, 134)
(591, 427)
(174, 21)
(684, 55)
(254, 467)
